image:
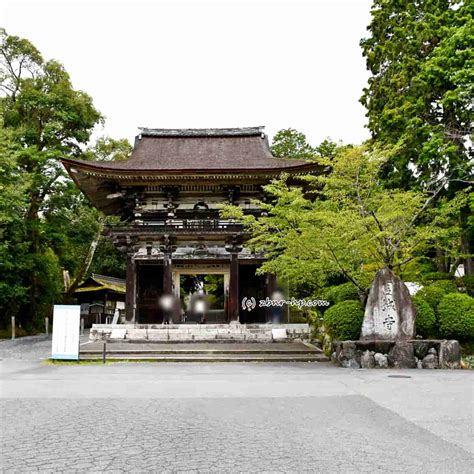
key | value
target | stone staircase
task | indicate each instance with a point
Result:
(233, 342)
(233, 332)
(295, 351)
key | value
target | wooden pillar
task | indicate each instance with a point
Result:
(270, 288)
(167, 275)
(234, 303)
(131, 289)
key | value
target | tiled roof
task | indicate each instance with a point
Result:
(198, 150)
(102, 282)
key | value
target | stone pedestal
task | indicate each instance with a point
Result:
(424, 354)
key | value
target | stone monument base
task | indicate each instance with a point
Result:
(411, 354)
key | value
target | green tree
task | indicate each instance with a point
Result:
(108, 149)
(15, 261)
(49, 119)
(289, 143)
(46, 224)
(420, 92)
(346, 222)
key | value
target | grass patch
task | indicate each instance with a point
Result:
(468, 362)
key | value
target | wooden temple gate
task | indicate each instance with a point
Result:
(168, 196)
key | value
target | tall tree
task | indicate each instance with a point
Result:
(15, 261)
(47, 119)
(289, 143)
(420, 93)
(419, 98)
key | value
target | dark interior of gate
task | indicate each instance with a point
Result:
(150, 290)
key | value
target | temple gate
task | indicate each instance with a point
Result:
(168, 195)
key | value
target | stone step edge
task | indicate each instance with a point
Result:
(218, 341)
(310, 358)
(203, 352)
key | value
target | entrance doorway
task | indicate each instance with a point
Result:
(209, 284)
(209, 289)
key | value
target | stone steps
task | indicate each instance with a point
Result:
(204, 352)
(159, 350)
(309, 357)
(198, 332)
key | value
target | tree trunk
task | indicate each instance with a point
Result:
(87, 263)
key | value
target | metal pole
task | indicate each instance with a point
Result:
(46, 325)
(82, 326)
(288, 296)
(103, 353)
(13, 327)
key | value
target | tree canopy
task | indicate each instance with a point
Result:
(420, 93)
(43, 118)
(345, 222)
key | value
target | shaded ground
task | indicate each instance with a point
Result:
(303, 417)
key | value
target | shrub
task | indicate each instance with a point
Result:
(468, 282)
(456, 316)
(449, 286)
(425, 321)
(339, 293)
(432, 295)
(437, 276)
(343, 321)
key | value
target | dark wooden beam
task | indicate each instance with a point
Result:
(167, 275)
(131, 289)
(234, 303)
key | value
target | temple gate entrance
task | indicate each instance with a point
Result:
(168, 197)
(211, 280)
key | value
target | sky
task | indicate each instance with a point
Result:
(201, 64)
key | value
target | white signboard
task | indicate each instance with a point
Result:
(66, 321)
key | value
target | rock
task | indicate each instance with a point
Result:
(433, 351)
(430, 361)
(389, 312)
(347, 352)
(419, 364)
(381, 360)
(367, 360)
(402, 355)
(421, 348)
(449, 355)
(351, 364)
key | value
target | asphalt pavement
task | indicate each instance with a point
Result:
(232, 417)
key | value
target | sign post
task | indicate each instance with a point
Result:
(66, 320)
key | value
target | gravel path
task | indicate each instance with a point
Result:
(30, 347)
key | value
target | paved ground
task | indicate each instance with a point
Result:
(229, 417)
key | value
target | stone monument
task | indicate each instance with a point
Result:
(388, 334)
(389, 312)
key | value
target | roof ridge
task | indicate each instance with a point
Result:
(106, 277)
(202, 132)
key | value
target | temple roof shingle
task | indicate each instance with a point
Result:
(188, 150)
(177, 156)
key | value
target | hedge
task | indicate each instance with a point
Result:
(456, 317)
(425, 321)
(343, 321)
(436, 291)
(339, 293)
